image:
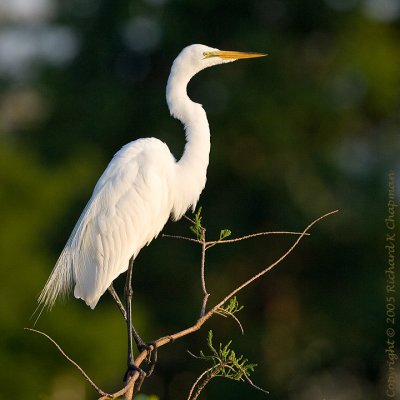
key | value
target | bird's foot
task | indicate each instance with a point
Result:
(132, 368)
(151, 357)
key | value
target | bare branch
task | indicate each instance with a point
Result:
(104, 394)
(238, 239)
(234, 317)
(181, 238)
(189, 219)
(267, 269)
(252, 384)
(253, 235)
(203, 279)
(204, 304)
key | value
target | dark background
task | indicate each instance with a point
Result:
(312, 128)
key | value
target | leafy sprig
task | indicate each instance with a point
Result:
(224, 234)
(230, 310)
(196, 227)
(233, 367)
(225, 364)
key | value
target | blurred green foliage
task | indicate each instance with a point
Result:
(312, 128)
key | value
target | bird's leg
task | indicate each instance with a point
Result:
(117, 300)
(132, 368)
(140, 344)
(131, 329)
(121, 308)
(128, 298)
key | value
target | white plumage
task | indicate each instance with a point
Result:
(141, 187)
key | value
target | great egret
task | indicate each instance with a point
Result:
(141, 187)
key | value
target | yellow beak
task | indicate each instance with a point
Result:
(233, 55)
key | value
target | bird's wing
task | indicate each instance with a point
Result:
(130, 205)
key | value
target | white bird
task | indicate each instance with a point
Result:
(141, 187)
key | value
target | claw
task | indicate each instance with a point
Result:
(151, 358)
(132, 368)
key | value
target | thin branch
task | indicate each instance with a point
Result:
(193, 355)
(203, 266)
(197, 381)
(253, 235)
(238, 322)
(238, 239)
(214, 373)
(247, 378)
(234, 317)
(204, 304)
(267, 269)
(189, 219)
(252, 384)
(181, 238)
(104, 394)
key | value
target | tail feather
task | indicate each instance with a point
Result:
(62, 277)
(60, 281)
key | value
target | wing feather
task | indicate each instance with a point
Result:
(130, 204)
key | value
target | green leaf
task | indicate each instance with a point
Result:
(231, 308)
(197, 228)
(224, 234)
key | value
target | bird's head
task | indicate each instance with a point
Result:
(196, 57)
(190, 61)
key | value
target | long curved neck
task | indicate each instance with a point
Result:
(192, 167)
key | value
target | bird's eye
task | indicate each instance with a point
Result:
(205, 54)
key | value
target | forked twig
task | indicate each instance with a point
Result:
(274, 264)
(238, 239)
(166, 339)
(205, 245)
